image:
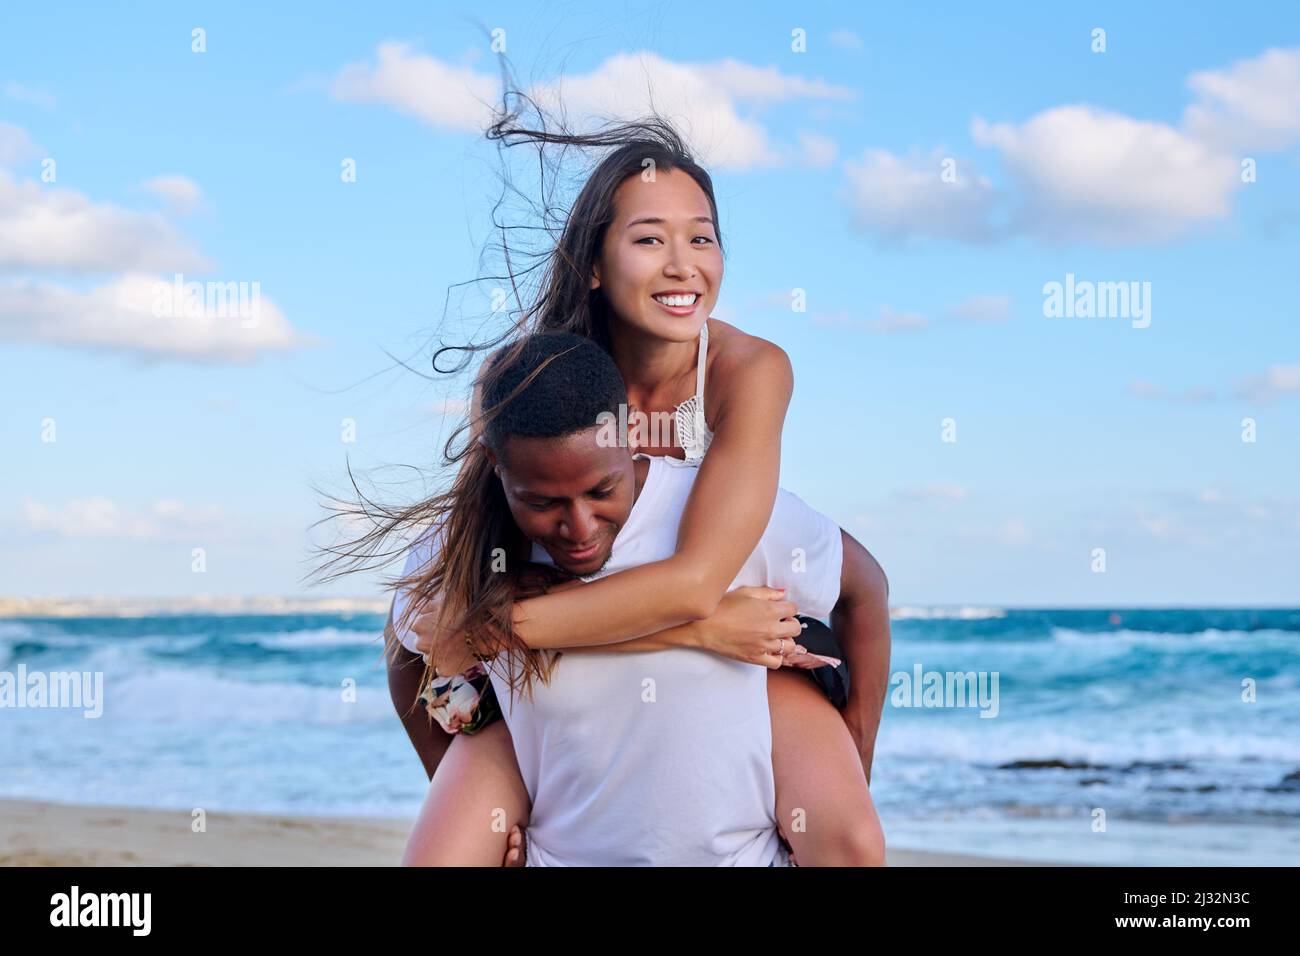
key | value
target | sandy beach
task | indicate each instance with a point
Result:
(54, 834)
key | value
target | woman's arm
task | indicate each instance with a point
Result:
(754, 625)
(726, 514)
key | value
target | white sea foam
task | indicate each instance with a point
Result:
(964, 613)
(312, 637)
(985, 742)
(1169, 640)
(173, 694)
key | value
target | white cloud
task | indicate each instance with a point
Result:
(15, 145)
(752, 84)
(843, 319)
(1199, 393)
(1015, 532)
(818, 151)
(120, 317)
(701, 98)
(1252, 105)
(450, 407)
(889, 320)
(1139, 388)
(844, 40)
(893, 321)
(46, 227)
(162, 520)
(440, 94)
(1088, 174)
(181, 194)
(976, 308)
(984, 308)
(1275, 382)
(1080, 173)
(25, 94)
(897, 198)
(935, 491)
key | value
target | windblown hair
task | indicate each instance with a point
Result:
(548, 276)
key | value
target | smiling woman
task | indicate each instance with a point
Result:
(636, 269)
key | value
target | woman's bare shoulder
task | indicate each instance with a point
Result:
(741, 359)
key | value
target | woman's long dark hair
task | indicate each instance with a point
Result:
(548, 276)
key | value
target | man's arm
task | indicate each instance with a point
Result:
(860, 622)
(404, 672)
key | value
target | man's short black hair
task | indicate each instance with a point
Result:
(579, 382)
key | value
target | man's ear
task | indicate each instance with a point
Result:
(492, 458)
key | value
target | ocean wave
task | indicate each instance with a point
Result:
(107, 649)
(908, 613)
(15, 630)
(173, 694)
(1173, 640)
(85, 650)
(312, 637)
(984, 743)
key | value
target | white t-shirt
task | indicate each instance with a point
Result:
(664, 758)
(422, 551)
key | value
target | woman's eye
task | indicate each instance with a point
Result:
(649, 239)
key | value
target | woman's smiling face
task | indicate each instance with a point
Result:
(660, 266)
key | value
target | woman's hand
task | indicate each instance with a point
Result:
(753, 625)
(444, 649)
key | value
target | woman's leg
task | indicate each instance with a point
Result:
(475, 797)
(823, 805)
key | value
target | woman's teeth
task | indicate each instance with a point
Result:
(677, 301)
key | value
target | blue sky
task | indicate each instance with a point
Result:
(924, 296)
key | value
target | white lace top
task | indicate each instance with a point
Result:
(693, 432)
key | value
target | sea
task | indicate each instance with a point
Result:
(1107, 736)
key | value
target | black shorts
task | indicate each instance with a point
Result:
(832, 681)
(817, 637)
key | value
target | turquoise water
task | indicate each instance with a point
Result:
(1136, 713)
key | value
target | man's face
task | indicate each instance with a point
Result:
(571, 495)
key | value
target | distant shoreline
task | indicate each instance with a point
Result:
(169, 606)
(66, 607)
